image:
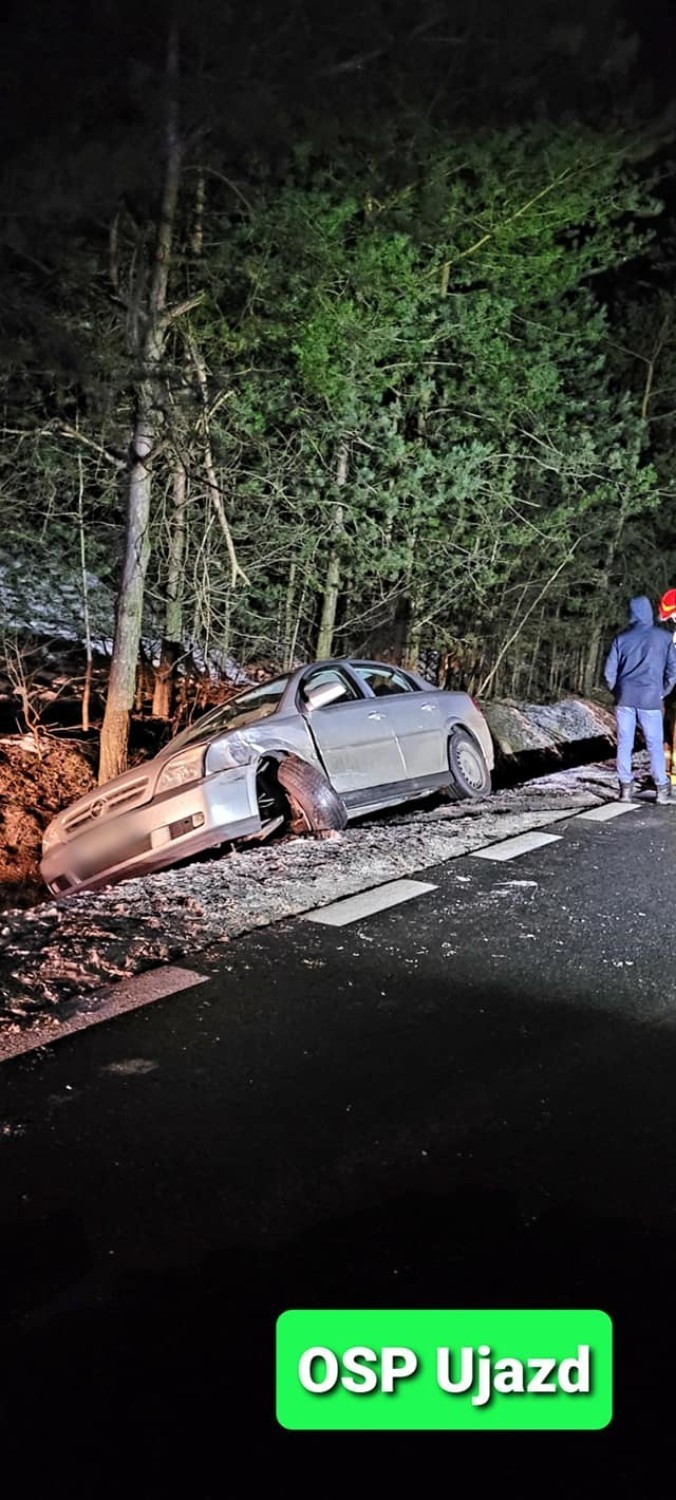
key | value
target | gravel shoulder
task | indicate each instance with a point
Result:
(59, 951)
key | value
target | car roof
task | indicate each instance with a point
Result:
(351, 661)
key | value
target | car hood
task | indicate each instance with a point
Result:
(134, 788)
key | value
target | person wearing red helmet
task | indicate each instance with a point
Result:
(667, 608)
(640, 671)
(667, 614)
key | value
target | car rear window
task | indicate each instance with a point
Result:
(384, 681)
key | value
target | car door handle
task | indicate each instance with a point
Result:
(376, 716)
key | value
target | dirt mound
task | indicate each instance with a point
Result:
(33, 788)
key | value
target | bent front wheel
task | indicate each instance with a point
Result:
(308, 790)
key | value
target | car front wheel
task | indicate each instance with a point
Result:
(312, 799)
(471, 776)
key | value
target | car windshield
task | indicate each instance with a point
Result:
(247, 708)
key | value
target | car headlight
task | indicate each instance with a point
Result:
(51, 836)
(182, 770)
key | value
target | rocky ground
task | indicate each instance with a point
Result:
(57, 951)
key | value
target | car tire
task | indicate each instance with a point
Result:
(311, 793)
(467, 764)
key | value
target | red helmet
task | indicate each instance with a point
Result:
(667, 605)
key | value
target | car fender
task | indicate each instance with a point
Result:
(239, 755)
(270, 740)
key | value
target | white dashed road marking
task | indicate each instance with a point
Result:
(353, 908)
(102, 1005)
(512, 848)
(603, 814)
(114, 1000)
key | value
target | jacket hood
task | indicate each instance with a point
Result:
(640, 611)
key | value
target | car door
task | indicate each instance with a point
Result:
(415, 717)
(355, 739)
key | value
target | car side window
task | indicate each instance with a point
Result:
(325, 675)
(384, 681)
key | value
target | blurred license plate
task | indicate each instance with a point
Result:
(109, 851)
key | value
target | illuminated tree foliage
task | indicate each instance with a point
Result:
(384, 308)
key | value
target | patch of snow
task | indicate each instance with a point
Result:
(43, 596)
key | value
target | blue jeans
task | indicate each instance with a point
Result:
(651, 722)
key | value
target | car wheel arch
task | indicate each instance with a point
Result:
(456, 723)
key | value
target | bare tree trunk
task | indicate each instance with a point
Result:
(554, 648)
(410, 655)
(122, 679)
(86, 691)
(226, 636)
(327, 623)
(291, 656)
(172, 640)
(197, 232)
(534, 662)
(155, 320)
(591, 658)
(410, 658)
(289, 602)
(165, 682)
(596, 628)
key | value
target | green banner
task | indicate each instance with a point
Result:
(426, 1370)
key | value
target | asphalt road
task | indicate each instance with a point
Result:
(467, 1100)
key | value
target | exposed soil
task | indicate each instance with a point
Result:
(45, 768)
(34, 786)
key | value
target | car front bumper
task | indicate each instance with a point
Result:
(176, 825)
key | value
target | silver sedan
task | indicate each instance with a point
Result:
(311, 749)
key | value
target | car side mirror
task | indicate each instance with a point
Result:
(323, 694)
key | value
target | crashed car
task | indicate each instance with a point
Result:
(310, 749)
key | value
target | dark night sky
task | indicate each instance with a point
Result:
(82, 104)
(66, 60)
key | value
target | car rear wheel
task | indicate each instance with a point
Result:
(471, 776)
(313, 801)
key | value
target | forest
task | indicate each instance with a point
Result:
(326, 333)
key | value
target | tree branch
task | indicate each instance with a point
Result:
(490, 234)
(236, 570)
(63, 429)
(170, 315)
(221, 177)
(516, 633)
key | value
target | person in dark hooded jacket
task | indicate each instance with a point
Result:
(640, 670)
